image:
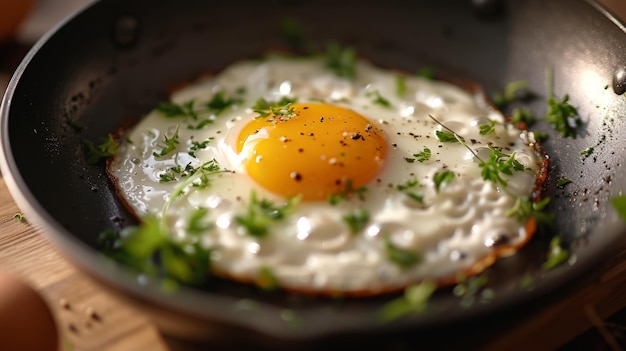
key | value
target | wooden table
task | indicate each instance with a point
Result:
(91, 319)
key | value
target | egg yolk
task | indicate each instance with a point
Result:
(313, 150)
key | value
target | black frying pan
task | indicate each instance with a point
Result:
(116, 58)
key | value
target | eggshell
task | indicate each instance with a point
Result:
(26, 322)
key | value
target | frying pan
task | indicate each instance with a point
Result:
(115, 59)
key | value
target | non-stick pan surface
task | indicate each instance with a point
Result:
(116, 59)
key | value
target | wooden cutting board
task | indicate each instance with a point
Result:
(90, 319)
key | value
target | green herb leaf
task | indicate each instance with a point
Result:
(281, 107)
(378, 99)
(587, 152)
(499, 163)
(173, 110)
(619, 204)
(293, 33)
(423, 155)
(168, 145)
(219, 102)
(445, 136)
(262, 213)
(413, 302)
(356, 220)
(149, 248)
(563, 117)
(400, 85)
(539, 136)
(556, 254)
(197, 221)
(511, 91)
(196, 145)
(19, 217)
(342, 61)
(524, 209)
(267, 279)
(523, 115)
(443, 178)
(407, 187)
(107, 148)
(488, 128)
(401, 257)
(469, 289)
(562, 182)
(426, 73)
(348, 190)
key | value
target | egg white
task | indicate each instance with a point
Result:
(313, 249)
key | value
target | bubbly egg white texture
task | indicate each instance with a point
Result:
(407, 223)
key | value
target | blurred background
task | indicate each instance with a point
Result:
(22, 23)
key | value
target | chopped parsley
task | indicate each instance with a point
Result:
(423, 155)
(540, 136)
(196, 145)
(587, 152)
(219, 103)
(19, 217)
(150, 249)
(556, 254)
(619, 204)
(356, 220)
(267, 279)
(510, 94)
(197, 221)
(348, 190)
(499, 163)
(108, 147)
(561, 115)
(442, 178)
(523, 115)
(562, 182)
(524, 209)
(446, 136)
(407, 187)
(413, 302)
(281, 107)
(402, 257)
(400, 85)
(378, 99)
(426, 73)
(172, 110)
(262, 213)
(488, 128)
(342, 61)
(169, 144)
(468, 289)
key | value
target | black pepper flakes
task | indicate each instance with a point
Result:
(296, 176)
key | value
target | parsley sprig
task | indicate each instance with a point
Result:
(342, 61)
(407, 189)
(488, 128)
(356, 220)
(281, 108)
(262, 213)
(169, 144)
(421, 156)
(348, 191)
(413, 302)
(108, 147)
(498, 164)
(561, 115)
(402, 257)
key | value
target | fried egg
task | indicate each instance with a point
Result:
(332, 185)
